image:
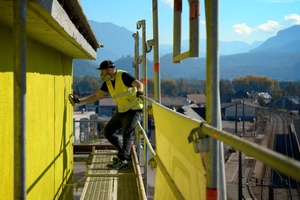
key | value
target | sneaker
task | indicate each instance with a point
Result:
(116, 158)
(118, 165)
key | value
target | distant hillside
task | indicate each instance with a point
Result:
(118, 41)
(275, 65)
(279, 66)
(85, 68)
(287, 40)
(278, 57)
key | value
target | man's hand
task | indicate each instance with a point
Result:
(138, 94)
(73, 100)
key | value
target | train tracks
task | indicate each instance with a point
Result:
(260, 181)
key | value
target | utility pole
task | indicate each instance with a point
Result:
(240, 159)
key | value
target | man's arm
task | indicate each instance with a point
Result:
(138, 84)
(92, 98)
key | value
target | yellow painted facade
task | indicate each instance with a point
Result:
(49, 157)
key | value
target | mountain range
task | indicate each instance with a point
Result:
(278, 57)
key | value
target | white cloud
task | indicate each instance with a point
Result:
(270, 26)
(242, 29)
(294, 17)
(170, 3)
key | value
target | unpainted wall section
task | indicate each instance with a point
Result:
(49, 158)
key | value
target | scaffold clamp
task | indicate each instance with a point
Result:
(200, 140)
(152, 163)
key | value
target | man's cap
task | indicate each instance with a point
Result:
(106, 64)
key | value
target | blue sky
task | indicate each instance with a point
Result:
(239, 20)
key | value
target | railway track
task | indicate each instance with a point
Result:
(260, 181)
(286, 187)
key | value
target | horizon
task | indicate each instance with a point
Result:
(243, 21)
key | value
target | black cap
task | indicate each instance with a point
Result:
(106, 64)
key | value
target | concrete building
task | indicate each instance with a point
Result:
(248, 112)
(55, 33)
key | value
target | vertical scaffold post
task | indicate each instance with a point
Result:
(136, 65)
(136, 61)
(19, 34)
(215, 181)
(194, 7)
(156, 66)
(177, 29)
(142, 24)
(194, 28)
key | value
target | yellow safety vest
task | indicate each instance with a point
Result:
(124, 96)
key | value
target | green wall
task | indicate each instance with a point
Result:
(49, 150)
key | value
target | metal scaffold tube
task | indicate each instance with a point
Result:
(19, 35)
(194, 12)
(156, 66)
(136, 61)
(216, 187)
(194, 28)
(142, 24)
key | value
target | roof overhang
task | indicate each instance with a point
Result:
(62, 26)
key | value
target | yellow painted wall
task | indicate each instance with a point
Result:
(49, 158)
(6, 115)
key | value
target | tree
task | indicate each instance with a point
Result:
(182, 87)
(150, 86)
(291, 89)
(256, 83)
(168, 87)
(87, 84)
(226, 87)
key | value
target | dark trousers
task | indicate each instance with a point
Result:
(127, 121)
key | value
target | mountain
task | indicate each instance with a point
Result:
(236, 47)
(118, 42)
(278, 57)
(226, 48)
(275, 65)
(287, 40)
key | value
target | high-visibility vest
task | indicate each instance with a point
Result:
(124, 96)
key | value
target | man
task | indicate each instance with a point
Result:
(125, 90)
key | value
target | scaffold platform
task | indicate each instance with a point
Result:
(104, 183)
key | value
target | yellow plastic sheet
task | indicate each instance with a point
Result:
(177, 155)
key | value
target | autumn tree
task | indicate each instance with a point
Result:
(168, 87)
(256, 83)
(226, 87)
